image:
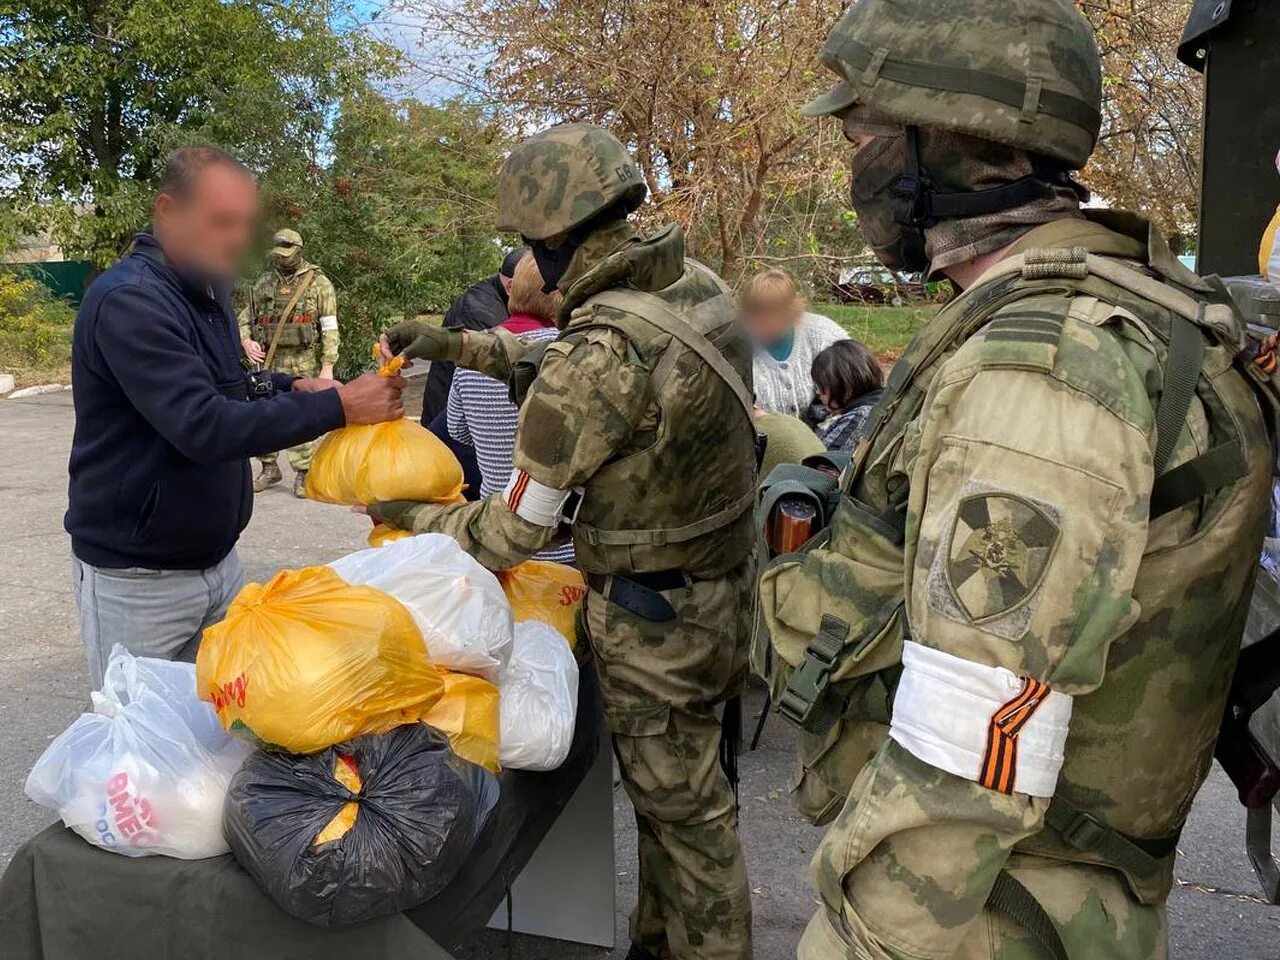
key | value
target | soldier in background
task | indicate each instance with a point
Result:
(1074, 479)
(308, 343)
(636, 438)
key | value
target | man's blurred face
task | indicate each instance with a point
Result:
(208, 228)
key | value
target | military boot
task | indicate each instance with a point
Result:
(269, 476)
(300, 484)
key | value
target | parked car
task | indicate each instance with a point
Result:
(874, 284)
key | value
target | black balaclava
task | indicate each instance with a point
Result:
(553, 262)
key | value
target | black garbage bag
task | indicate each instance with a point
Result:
(364, 829)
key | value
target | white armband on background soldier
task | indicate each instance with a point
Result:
(538, 503)
(329, 323)
(983, 723)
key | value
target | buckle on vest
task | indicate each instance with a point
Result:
(1084, 832)
(808, 682)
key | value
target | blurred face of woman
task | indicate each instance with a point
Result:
(767, 327)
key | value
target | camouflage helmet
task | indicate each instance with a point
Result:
(562, 177)
(1024, 72)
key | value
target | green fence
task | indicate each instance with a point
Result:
(66, 278)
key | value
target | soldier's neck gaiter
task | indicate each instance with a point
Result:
(288, 266)
(948, 175)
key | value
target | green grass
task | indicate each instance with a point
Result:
(885, 330)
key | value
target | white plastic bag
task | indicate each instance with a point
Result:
(538, 699)
(459, 606)
(146, 772)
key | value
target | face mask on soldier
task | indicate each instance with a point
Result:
(874, 189)
(552, 261)
(290, 263)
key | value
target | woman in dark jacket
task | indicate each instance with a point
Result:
(849, 382)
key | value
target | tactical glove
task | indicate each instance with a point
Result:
(419, 340)
(395, 513)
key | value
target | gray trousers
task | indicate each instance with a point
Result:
(154, 613)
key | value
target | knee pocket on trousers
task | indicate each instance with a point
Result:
(652, 761)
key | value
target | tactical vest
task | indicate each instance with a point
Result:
(832, 621)
(684, 498)
(271, 297)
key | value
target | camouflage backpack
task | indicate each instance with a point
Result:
(831, 622)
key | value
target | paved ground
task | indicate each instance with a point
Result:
(1215, 913)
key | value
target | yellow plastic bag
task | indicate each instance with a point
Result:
(396, 460)
(549, 592)
(468, 715)
(347, 773)
(382, 534)
(306, 661)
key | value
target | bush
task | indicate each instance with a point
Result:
(35, 328)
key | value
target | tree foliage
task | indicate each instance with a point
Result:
(94, 93)
(402, 219)
(706, 93)
(1148, 157)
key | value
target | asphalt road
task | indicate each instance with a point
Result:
(1215, 913)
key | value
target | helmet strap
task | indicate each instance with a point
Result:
(922, 204)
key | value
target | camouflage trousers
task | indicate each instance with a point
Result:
(298, 363)
(1090, 906)
(660, 683)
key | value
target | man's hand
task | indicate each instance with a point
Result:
(253, 350)
(419, 340)
(372, 399)
(313, 385)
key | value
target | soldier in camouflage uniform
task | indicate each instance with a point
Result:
(636, 439)
(308, 345)
(1026, 616)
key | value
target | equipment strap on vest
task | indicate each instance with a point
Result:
(1181, 373)
(285, 315)
(668, 321)
(661, 536)
(809, 681)
(1083, 831)
(1015, 901)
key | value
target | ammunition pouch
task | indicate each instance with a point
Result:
(301, 331)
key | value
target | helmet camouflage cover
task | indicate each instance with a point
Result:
(1020, 72)
(562, 177)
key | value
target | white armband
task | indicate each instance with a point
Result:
(982, 723)
(329, 323)
(538, 503)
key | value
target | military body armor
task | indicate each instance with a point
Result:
(832, 621)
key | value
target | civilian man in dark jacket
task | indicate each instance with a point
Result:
(160, 487)
(482, 305)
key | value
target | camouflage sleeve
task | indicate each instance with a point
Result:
(591, 392)
(327, 317)
(1030, 480)
(246, 316)
(494, 353)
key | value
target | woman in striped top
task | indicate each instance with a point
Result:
(480, 411)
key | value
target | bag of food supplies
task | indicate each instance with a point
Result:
(458, 605)
(548, 592)
(394, 460)
(147, 770)
(308, 660)
(468, 715)
(382, 534)
(538, 695)
(365, 829)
